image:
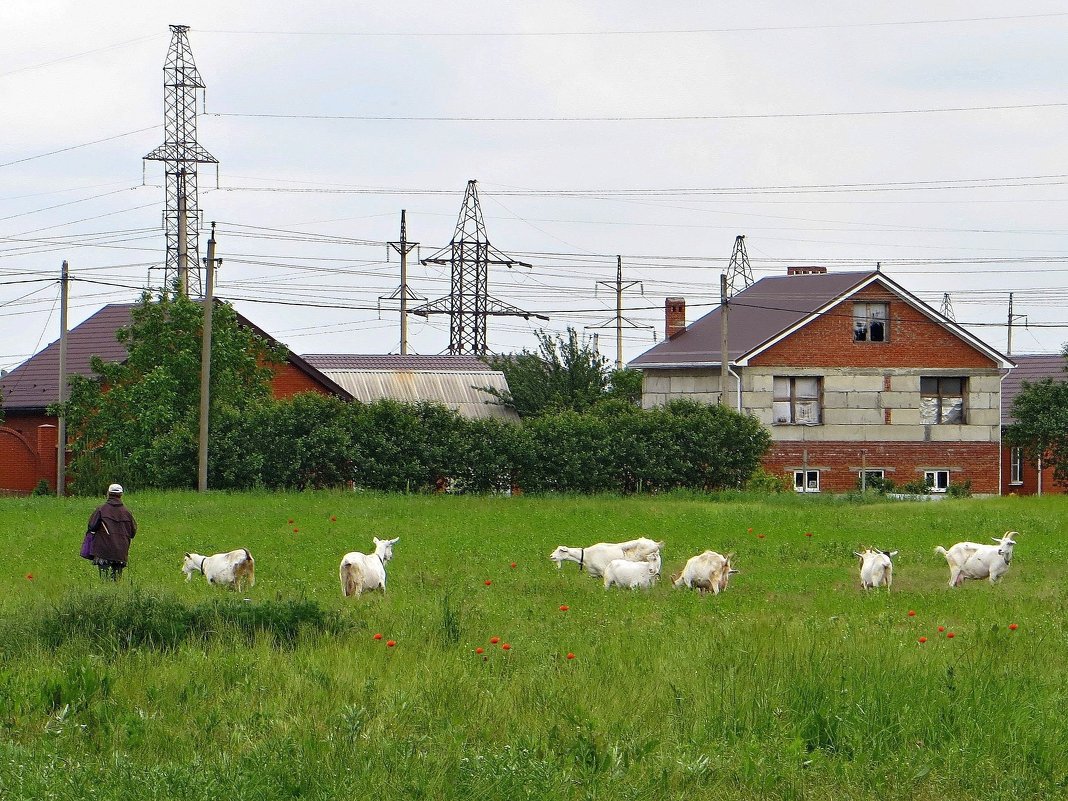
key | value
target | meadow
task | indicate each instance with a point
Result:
(793, 684)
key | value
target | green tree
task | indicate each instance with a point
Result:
(625, 385)
(138, 421)
(564, 374)
(1041, 427)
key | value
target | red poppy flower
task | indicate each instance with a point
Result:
(488, 582)
(1012, 626)
(333, 519)
(479, 650)
(808, 533)
(378, 636)
(506, 647)
(290, 521)
(570, 656)
(29, 577)
(564, 607)
(941, 628)
(760, 536)
(495, 640)
(950, 635)
(749, 530)
(912, 613)
(296, 530)
(390, 643)
(923, 639)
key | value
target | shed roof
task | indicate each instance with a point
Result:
(365, 361)
(1030, 368)
(34, 384)
(460, 390)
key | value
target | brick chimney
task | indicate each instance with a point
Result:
(806, 270)
(674, 316)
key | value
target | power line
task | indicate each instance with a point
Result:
(83, 144)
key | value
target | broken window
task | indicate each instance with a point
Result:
(870, 322)
(797, 400)
(942, 400)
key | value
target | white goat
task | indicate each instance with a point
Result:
(632, 575)
(595, 558)
(234, 569)
(876, 568)
(706, 571)
(361, 572)
(971, 560)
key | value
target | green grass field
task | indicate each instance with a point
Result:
(791, 685)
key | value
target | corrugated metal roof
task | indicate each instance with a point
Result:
(366, 361)
(459, 390)
(1029, 368)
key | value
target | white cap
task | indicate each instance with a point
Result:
(115, 489)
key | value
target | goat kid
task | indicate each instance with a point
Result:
(876, 568)
(632, 575)
(234, 569)
(360, 572)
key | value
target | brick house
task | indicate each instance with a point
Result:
(851, 374)
(1018, 476)
(28, 432)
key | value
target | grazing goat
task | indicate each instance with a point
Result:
(235, 569)
(971, 560)
(876, 568)
(361, 572)
(595, 558)
(706, 571)
(632, 575)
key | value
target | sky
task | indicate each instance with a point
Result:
(925, 138)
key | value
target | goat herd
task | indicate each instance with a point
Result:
(633, 564)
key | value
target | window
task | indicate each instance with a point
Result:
(1016, 466)
(870, 322)
(806, 480)
(872, 477)
(937, 480)
(942, 400)
(796, 400)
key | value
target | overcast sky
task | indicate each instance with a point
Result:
(928, 137)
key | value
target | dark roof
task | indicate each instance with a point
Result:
(757, 314)
(34, 384)
(1031, 369)
(358, 361)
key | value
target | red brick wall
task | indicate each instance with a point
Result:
(1029, 476)
(289, 381)
(21, 466)
(914, 341)
(839, 462)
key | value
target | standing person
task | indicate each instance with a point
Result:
(113, 527)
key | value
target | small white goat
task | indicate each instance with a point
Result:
(632, 575)
(360, 572)
(971, 560)
(595, 558)
(876, 568)
(706, 571)
(234, 569)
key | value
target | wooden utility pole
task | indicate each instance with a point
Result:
(205, 362)
(61, 423)
(724, 362)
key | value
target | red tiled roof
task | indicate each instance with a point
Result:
(1031, 368)
(359, 361)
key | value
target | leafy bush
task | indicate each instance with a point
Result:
(769, 483)
(917, 487)
(880, 486)
(962, 489)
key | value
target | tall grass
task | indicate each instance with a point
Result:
(791, 685)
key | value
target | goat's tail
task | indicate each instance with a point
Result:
(940, 550)
(245, 573)
(351, 579)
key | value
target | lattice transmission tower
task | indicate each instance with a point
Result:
(180, 154)
(739, 273)
(946, 308)
(469, 256)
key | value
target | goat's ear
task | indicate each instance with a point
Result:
(394, 541)
(187, 556)
(376, 540)
(996, 539)
(859, 556)
(660, 544)
(730, 556)
(892, 554)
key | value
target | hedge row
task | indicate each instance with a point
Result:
(313, 441)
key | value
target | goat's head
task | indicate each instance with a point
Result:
(384, 548)
(726, 573)
(192, 563)
(1006, 542)
(560, 555)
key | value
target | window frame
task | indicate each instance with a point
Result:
(933, 482)
(863, 320)
(1015, 466)
(794, 400)
(940, 397)
(806, 477)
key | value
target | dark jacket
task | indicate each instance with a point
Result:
(113, 527)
